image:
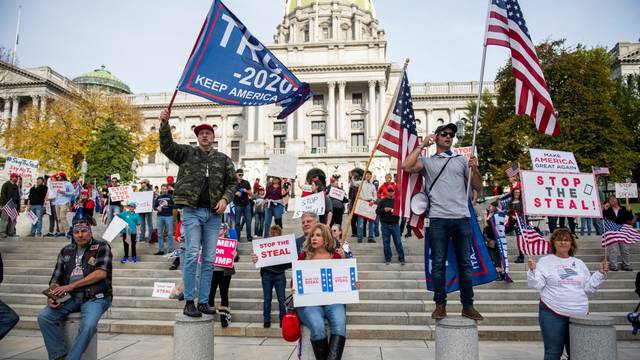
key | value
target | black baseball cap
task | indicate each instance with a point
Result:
(451, 126)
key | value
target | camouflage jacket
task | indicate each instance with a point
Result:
(195, 165)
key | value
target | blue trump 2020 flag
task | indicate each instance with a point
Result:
(483, 270)
(230, 66)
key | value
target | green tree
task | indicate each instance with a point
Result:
(483, 143)
(111, 152)
(627, 101)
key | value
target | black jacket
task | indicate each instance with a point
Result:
(623, 217)
(386, 217)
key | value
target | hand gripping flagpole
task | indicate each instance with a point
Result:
(345, 233)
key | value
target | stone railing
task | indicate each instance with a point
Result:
(279, 151)
(161, 98)
(360, 149)
(451, 88)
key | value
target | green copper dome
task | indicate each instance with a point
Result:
(366, 5)
(102, 80)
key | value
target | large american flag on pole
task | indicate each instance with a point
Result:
(616, 233)
(506, 27)
(398, 139)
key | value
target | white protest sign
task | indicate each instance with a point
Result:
(464, 151)
(32, 216)
(283, 166)
(336, 193)
(116, 176)
(553, 194)
(275, 250)
(143, 200)
(325, 282)
(57, 186)
(553, 161)
(120, 193)
(116, 225)
(163, 290)
(365, 210)
(626, 190)
(25, 168)
(47, 208)
(312, 203)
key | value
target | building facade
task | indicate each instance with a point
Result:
(626, 59)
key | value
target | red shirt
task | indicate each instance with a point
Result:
(382, 190)
(303, 256)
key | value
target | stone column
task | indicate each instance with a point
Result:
(457, 338)
(593, 337)
(452, 112)
(382, 108)
(70, 329)
(373, 120)
(15, 107)
(428, 120)
(251, 123)
(7, 109)
(193, 337)
(331, 109)
(342, 110)
(43, 105)
(300, 123)
(291, 119)
(260, 124)
(35, 101)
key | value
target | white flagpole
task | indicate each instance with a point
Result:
(15, 46)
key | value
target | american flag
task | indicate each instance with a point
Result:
(597, 170)
(504, 201)
(616, 233)
(399, 138)
(529, 241)
(10, 209)
(513, 170)
(506, 27)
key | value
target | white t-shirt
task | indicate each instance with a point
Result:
(564, 284)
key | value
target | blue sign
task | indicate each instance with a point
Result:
(230, 66)
(483, 270)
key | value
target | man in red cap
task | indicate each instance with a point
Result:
(205, 186)
(62, 202)
(9, 192)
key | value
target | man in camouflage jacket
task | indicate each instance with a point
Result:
(206, 184)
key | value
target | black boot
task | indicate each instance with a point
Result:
(225, 316)
(336, 346)
(190, 310)
(320, 348)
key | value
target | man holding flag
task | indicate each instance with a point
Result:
(10, 203)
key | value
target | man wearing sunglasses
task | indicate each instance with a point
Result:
(449, 218)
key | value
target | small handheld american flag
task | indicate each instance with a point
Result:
(513, 170)
(10, 209)
(618, 233)
(597, 170)
(529, 241)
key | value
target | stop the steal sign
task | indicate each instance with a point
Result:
(275, 250)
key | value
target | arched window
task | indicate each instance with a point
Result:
(440, 121)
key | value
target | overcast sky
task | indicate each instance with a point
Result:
(146, 42)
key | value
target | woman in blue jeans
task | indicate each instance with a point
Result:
(273, 204)
(563, 282)
(322, 246)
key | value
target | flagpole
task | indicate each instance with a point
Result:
(345, 233)
(15, 46)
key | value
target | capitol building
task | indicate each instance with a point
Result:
(338, 47)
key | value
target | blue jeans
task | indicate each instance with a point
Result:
(457, 232)
(113, 210)
(162, 222)
(243, 211)
(147, 223)
(555, 333)
(275, 212)
(8, 319)
(259, 223)
(376, 226)
(313, 318)
(200, 229)
(39, 211)
(585, 223)
(269, 280)
(49, 321)
(391, 230)
(370, 227)
(597, 225)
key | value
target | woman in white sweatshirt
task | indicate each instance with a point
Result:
(563, 282)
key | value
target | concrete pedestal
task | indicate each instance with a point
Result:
(457, 338)
(70, 328)
(307, 349)
(193, 337)
(593, 337)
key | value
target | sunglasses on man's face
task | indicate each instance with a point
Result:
(447, 133)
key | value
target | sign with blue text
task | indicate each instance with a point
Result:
(230, 66)
(325, 282)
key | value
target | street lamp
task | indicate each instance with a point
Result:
(460, 132)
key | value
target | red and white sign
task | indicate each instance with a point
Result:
(275, 250)
(553, 161)
(464, 151)
(225, 249)
(120, 193)
(163, 290)
(365, 210)
(336, 193)
(555, 194)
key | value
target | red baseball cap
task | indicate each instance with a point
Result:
(13, 175)
(201, 127)
(170, 180)
(62, 174)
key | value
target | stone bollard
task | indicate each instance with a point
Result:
(193, 337)
(457, 338)
(70, 328)
(593, 337)
(307, 349)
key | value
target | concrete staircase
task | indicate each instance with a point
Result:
(394, 302)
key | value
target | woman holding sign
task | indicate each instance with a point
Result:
(322, 246)
(273, 204)
(563, 282)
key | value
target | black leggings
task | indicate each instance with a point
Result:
(126, 245)
(224, 282)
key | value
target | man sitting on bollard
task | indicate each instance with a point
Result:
(83, 271)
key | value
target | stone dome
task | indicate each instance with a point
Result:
(366, 5)
(102, 80)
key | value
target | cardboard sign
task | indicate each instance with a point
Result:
(365, 210)
(325, 282)
(224, 252)
(312, 203)
(553, 161)
(120, 193)
(626, 190)
(275, 250)
(336, 193)
(143, 200)
(282, 166)
(464, 151)
(554, 194)
(163, 290)
(115, 227)
(25, 168)
(47, 208)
